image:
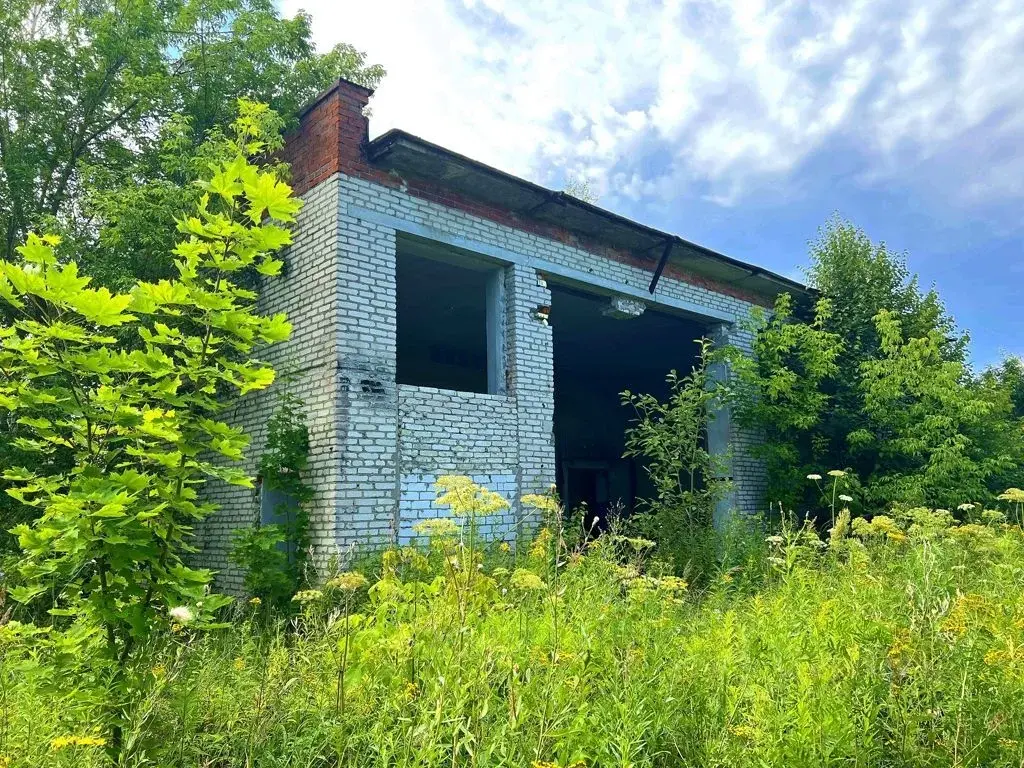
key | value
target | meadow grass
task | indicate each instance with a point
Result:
(899, 643)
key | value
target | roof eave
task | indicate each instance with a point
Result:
(771, 283)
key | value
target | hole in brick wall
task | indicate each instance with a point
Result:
(372, 387)
(446, 305)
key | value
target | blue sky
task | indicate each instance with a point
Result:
(741, 125)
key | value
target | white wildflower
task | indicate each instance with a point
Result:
(181, 614)
(814, 476)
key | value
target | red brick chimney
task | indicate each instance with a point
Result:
(331, 136)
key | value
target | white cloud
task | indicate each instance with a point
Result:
(709, 97)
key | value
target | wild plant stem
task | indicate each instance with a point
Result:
(339, 701)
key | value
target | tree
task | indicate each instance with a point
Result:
(922, 424)
(861, 279)
(877, 384)
(672, 438)
(138, 425)
(77, 82)
(785, 392)
(111, 110)
(87, 90)
(580, 188)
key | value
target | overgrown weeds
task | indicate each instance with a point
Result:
(898, 641)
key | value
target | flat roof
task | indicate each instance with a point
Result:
(408, 154)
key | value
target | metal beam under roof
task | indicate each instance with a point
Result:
(410, 155)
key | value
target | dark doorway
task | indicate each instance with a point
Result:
(597, 357)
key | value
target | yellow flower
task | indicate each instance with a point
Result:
(527, 580)
(673, 584)
(881, 526)
(349, 581)
(437, 528)
(159, 671)
(745, 732)
(840, 530)
(239, 664)
(505, 547)
(900, 646)
(964, 614)
(971, 532)
(466, 498)
(307, 596)
(255, 602)
(547, 503)
(77, 741)
(539, 547)
(995, 657)
(638, 544)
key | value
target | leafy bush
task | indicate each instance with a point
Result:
(136, 425)
(274, 555)
(671, 437)
(873, 379)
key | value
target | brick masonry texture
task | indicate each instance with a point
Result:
(418, 504)
(377, 447)
(442, 432)
(308, 293)
(447, 431)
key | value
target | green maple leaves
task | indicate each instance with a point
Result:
(59, 285)
(124, 422)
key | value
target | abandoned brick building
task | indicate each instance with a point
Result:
(452, 318)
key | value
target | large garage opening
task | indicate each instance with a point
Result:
(600, 351)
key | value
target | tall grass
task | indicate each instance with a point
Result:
(902, 644)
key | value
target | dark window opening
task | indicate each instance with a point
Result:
(449, 307)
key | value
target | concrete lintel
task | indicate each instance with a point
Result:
(558, 272)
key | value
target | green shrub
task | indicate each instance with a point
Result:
(671, 437)
(136, 421)
(273, 555)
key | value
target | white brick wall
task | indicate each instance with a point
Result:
(418, 502)
(371, 440)
(307, 292)
(448, 432)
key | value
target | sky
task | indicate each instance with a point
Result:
(738, 124)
